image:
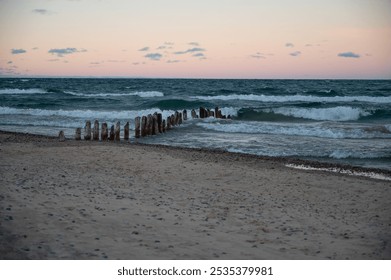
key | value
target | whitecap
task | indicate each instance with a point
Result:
(143, 94)
(340, 113)
(22, 91)
(296, 98)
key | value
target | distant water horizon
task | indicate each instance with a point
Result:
(335, 120)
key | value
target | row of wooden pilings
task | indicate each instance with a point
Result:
(152, 124)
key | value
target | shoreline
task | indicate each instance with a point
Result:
(95, 200)
(314, 165)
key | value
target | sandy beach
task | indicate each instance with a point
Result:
(94, 200)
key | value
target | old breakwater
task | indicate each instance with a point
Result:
(152, 124)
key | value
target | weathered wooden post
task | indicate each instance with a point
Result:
(202, 112)
(217, 115)
(61, 136)
(112, 134)
(168, 123)
(212, 113)
(117, 131)
(180, 118)
(185, 115)
(95, 131)
(155, 128)
(194, 114)
(137, 127)
(104, 132)
(164, 126)
(149, 124)
(176, 118)
(126, 131)
(78, 134)
(87, 131)
(172, 120)
(159, 122)
(144, 121)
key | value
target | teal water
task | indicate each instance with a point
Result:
(346, 121)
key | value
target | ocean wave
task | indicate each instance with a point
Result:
(312, 130)
(340, 113)
(296, 98)
(22, 91)
(143, 94)
(372, 175)
(85, 114)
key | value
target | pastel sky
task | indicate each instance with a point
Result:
(196, 39)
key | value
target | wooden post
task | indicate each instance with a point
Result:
(217, 113)
(156, 126)
(164, 126)
(87, 131)
(172, 120)
(117, 131)
(126, 131)
(168, 123)
(185, 115)
(180, 118)
(78, 134)
(61, 136)
(137, 127)
(112, 135)
(144, 126)
(202, 112)
(212, 113)
(95, 131)
(159, 122)
(194, 114)
(176, 118)
(208, 113)
(104, 132)
(149, 124)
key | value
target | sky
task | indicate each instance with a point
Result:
(265, 39)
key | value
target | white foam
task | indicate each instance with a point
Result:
(340, 113)
(143, 94)
(22, 91)
(85, 114)
(294, 129)
(296, 98)
(372, 175)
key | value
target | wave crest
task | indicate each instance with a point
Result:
(142, 94)
(296, 98)
(22, 91)
(340, 113)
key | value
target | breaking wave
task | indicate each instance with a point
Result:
(296, 98)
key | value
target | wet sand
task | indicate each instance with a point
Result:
(94, 200)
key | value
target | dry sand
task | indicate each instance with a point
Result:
(80, 200)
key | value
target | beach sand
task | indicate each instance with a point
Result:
(94, 200)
